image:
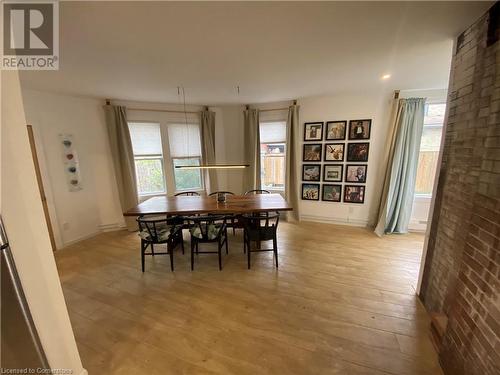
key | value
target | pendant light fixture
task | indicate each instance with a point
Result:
(205, 166)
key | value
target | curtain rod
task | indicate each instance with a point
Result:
(161, 110)
(274, 109)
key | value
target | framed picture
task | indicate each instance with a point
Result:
(313, 131)
(334, 151)
(356, 173)
(311, 172)
(310, 192)
(335, 130)
(359, 129)
(312, 152)
(357, 151)
(332, 193)
(332, 172)
(354, 194)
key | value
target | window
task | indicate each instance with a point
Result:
(148, 157)
(429, 148)
(185, 149)
(272, 154)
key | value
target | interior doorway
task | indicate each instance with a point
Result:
(43, 197)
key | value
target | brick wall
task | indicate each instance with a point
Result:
(462, 270)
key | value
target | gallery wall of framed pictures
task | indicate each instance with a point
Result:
(335, 160)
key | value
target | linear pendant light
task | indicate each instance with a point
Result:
(207, 166)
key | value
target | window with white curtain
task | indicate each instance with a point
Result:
(148, 157)
(272, 154)
(185, 149)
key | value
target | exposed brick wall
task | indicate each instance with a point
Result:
(462, 269)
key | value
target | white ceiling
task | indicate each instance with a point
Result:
(272, 50)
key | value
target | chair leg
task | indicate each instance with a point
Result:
(225, 237)
(192, 254)
(234, 229)
(143, 249)
(170, 249)
(248, 253)
(152, 250)
(275, 248)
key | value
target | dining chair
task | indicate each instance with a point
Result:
(257, 228)
(156, 231)
(233, 218)
(257, 191)
(208, 229)
(188, 194)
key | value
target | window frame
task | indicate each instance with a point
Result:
(274, 189)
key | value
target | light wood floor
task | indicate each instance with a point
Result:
(342, 302)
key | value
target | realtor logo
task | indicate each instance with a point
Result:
(30, 35)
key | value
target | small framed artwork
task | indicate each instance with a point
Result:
(335, 130)
(356, 173)
(312, 152)
(359, 129)
(357, 151)
(354, 194)
(334, 151)
(332, 193)
(310, 192)
(313, 131)
(332, 172)
(311, 172)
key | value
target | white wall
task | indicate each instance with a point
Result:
(24, 220)
(368, 105)
(80, 214)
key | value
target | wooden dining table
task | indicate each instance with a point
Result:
(190, 205)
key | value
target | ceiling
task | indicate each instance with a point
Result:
(273, 50)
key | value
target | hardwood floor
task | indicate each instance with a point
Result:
(342, 302)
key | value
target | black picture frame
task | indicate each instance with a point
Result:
(358, 151)
(305, 151)
(325, 173)
(314, 187)
(354, 194)
(309, 125)
(327, 130)
(324, 191)
(326, 153)
(355, 126)
(315, 166)
(351, 180)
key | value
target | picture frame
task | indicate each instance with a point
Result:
(313, 131)
(358, 151)
(333, 172)
(354, 194)
(331, 193)
(334, 152)
(360, 129)
(311, 172)
(310, 192)
(335, 130)
(356, 173)
(312, 152)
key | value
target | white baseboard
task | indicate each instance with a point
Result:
(81, 238)
(102, 228)
(329, 220)
(111, 227)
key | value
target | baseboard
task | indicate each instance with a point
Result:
(102, 229)
(111, 227)
(329, 220)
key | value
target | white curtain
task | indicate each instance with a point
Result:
(291, 189)
(207, 125)
(252, 149)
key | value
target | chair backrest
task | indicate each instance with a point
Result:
(206, 227)
(188, 194)
(153, 226)
(257, 191)
(261, 226)
(222, 192)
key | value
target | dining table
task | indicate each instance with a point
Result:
(191, 205)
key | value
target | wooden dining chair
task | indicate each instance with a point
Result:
(257, 191)
(156, 231)
(232, 218)
(217, 192)
(187, 194)
(208, 229)
(258, 228)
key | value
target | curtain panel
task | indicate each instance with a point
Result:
(291, 160)
(402, 161)
(251, 143)
(207, 131)
(123, 158)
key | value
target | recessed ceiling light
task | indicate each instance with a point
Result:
(386, 76)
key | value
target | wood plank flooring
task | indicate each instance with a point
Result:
(342, 302)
